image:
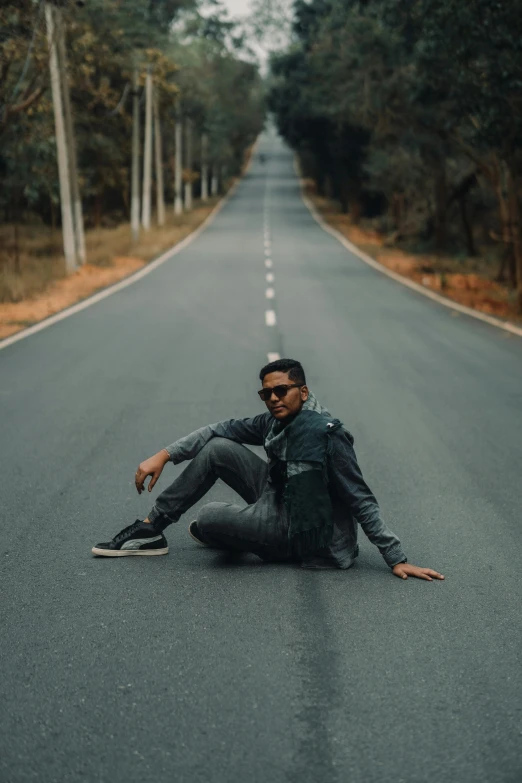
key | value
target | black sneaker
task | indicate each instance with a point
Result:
(136, 539)
(196, 535)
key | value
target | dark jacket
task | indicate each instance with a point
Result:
(353, 501)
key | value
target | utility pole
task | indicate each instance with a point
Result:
(69, 245)
(135, 174)
(147, 154)
(204, 167)
(188, 153)
(178, 165)
(71, 141)
(160, 191)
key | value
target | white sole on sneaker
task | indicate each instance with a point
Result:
(129, 552)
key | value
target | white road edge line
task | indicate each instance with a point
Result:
(508, 327)
(269, 293)
(270, 318)
(113, 289)
(273, 357)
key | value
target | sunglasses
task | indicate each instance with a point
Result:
(279, 391)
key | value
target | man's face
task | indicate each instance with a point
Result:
(293, 400)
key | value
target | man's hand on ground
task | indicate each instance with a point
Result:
(151, 467)
(404, 570)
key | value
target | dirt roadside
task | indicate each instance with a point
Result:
(117, 259)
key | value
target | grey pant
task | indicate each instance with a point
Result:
(260, 527)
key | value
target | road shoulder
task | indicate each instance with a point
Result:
(508, 326)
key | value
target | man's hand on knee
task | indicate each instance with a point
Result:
(151, 467)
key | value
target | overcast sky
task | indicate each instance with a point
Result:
(242, 8)
(237, 7)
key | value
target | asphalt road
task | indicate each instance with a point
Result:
(205, 667)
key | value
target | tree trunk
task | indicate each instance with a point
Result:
(204, 167)
(441, 199)
(98, 209)
(178, 167)
(514, 215)
(397, 209)
(69, 244)
(160, 191)
(214, 183)
(328, 187)
(17, 266)
(502, 275)
(500, 179)
(319, 184)
(135, 166)
(352, 189)
(147, 154)
(125, 199)
(53, 214)
(348, 198)
(16, 214)
(468, 228)
(188, 162)
(79, 232)
(355, 209)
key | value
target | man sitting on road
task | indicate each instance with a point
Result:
(303, 505)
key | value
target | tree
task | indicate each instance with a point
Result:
(110, 46)
(419, 103)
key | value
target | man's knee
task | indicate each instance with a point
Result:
(216, 447)
(211, 514)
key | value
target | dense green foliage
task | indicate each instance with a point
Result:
(197, 69)
(412, 110)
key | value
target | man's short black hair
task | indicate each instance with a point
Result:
(290, 366)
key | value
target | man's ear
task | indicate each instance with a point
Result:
(304, 393)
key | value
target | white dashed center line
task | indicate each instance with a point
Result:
(270, 316)
(273, 357)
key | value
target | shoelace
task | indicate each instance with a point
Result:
(126, 530)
